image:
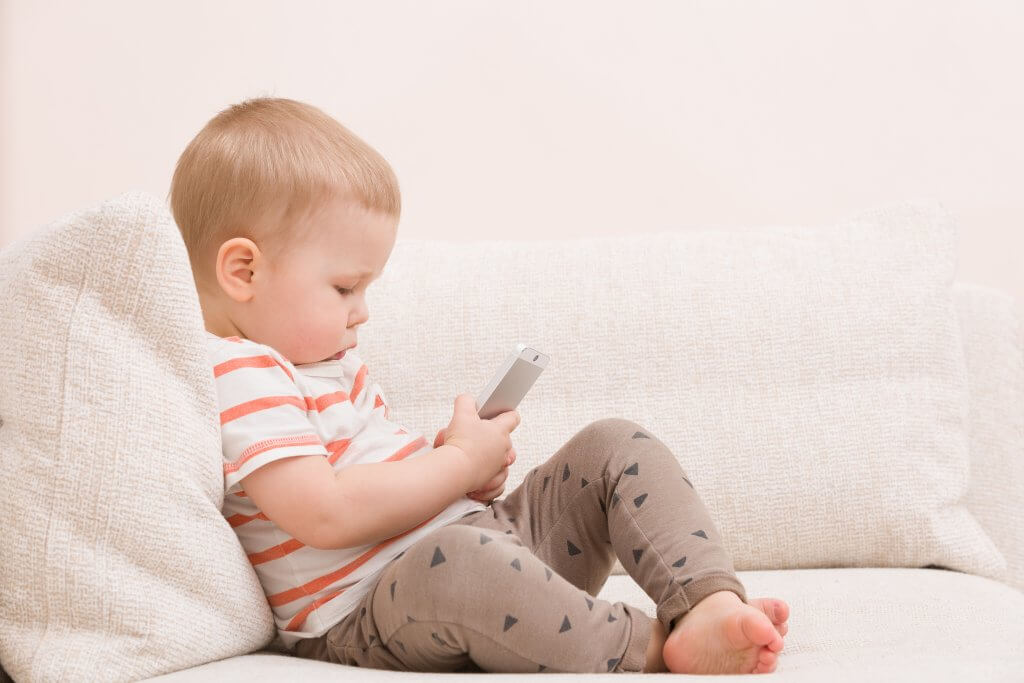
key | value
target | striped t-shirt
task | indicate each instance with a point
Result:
(271, 409)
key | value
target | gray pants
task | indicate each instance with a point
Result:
(511, 588)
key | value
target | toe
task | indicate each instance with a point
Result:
(766, 662)
(780, 610)
(758, 628)
(777, 610)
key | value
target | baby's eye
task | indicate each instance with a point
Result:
(343, 290)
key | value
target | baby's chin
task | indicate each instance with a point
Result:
(337, 356)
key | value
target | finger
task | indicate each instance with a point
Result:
(509, 420)
(483, 489)
(500, 478)
(510, 457)
(439, 439)
(491, 494)
(484, 493)
(496, 481)
(465, 403)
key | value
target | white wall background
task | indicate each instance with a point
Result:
(536, 119)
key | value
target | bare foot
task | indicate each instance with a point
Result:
(721, 634)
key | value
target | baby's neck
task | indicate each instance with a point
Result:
(215, 321)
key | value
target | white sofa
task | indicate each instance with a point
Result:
(851, 415)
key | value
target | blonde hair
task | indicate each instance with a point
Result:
(258, 167)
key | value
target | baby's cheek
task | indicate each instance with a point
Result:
(300, 338)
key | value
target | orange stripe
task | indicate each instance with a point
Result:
(256, 405)
(317, 584)
(336, 448)
(357, 385)
(270, 444)
(249, 362)
(300, 617)
(240, 519)
(407, 449)
(246, 362)
(322, 403)
(377, 403)
(279, 550)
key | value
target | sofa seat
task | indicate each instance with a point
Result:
(848, 624)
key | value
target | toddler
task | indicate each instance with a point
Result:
(375, 547)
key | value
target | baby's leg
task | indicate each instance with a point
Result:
(465, 598)
(615, 489)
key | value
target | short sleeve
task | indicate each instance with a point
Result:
(263, 412)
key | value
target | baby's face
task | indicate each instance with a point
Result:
(309, 301)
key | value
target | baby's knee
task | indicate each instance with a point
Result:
(611, 429)
(620, 442)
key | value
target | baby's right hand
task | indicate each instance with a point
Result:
(485, 442)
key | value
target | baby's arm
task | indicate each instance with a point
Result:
(359, 504)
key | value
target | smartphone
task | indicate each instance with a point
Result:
(510, 383)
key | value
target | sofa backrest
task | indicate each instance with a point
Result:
(995, 365)
(821, 370)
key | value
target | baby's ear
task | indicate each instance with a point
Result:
(237, 260)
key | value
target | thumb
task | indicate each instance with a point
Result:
(465, 403)
(509, 420)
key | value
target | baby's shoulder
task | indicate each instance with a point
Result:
(221, 349)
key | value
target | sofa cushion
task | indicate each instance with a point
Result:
(117, 563)
(853, 625)
(811, 380)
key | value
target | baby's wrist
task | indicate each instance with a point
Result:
(460, 462)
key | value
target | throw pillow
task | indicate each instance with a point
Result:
(117, 563)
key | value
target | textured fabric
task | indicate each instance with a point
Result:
(816, 370)
(995, 369)
(271, 409)
(845, 626)
(117, 563)
(612, 490)
(995, 366)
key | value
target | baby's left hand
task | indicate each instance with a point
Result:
(496, 486)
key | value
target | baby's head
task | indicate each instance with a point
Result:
(287, 217)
